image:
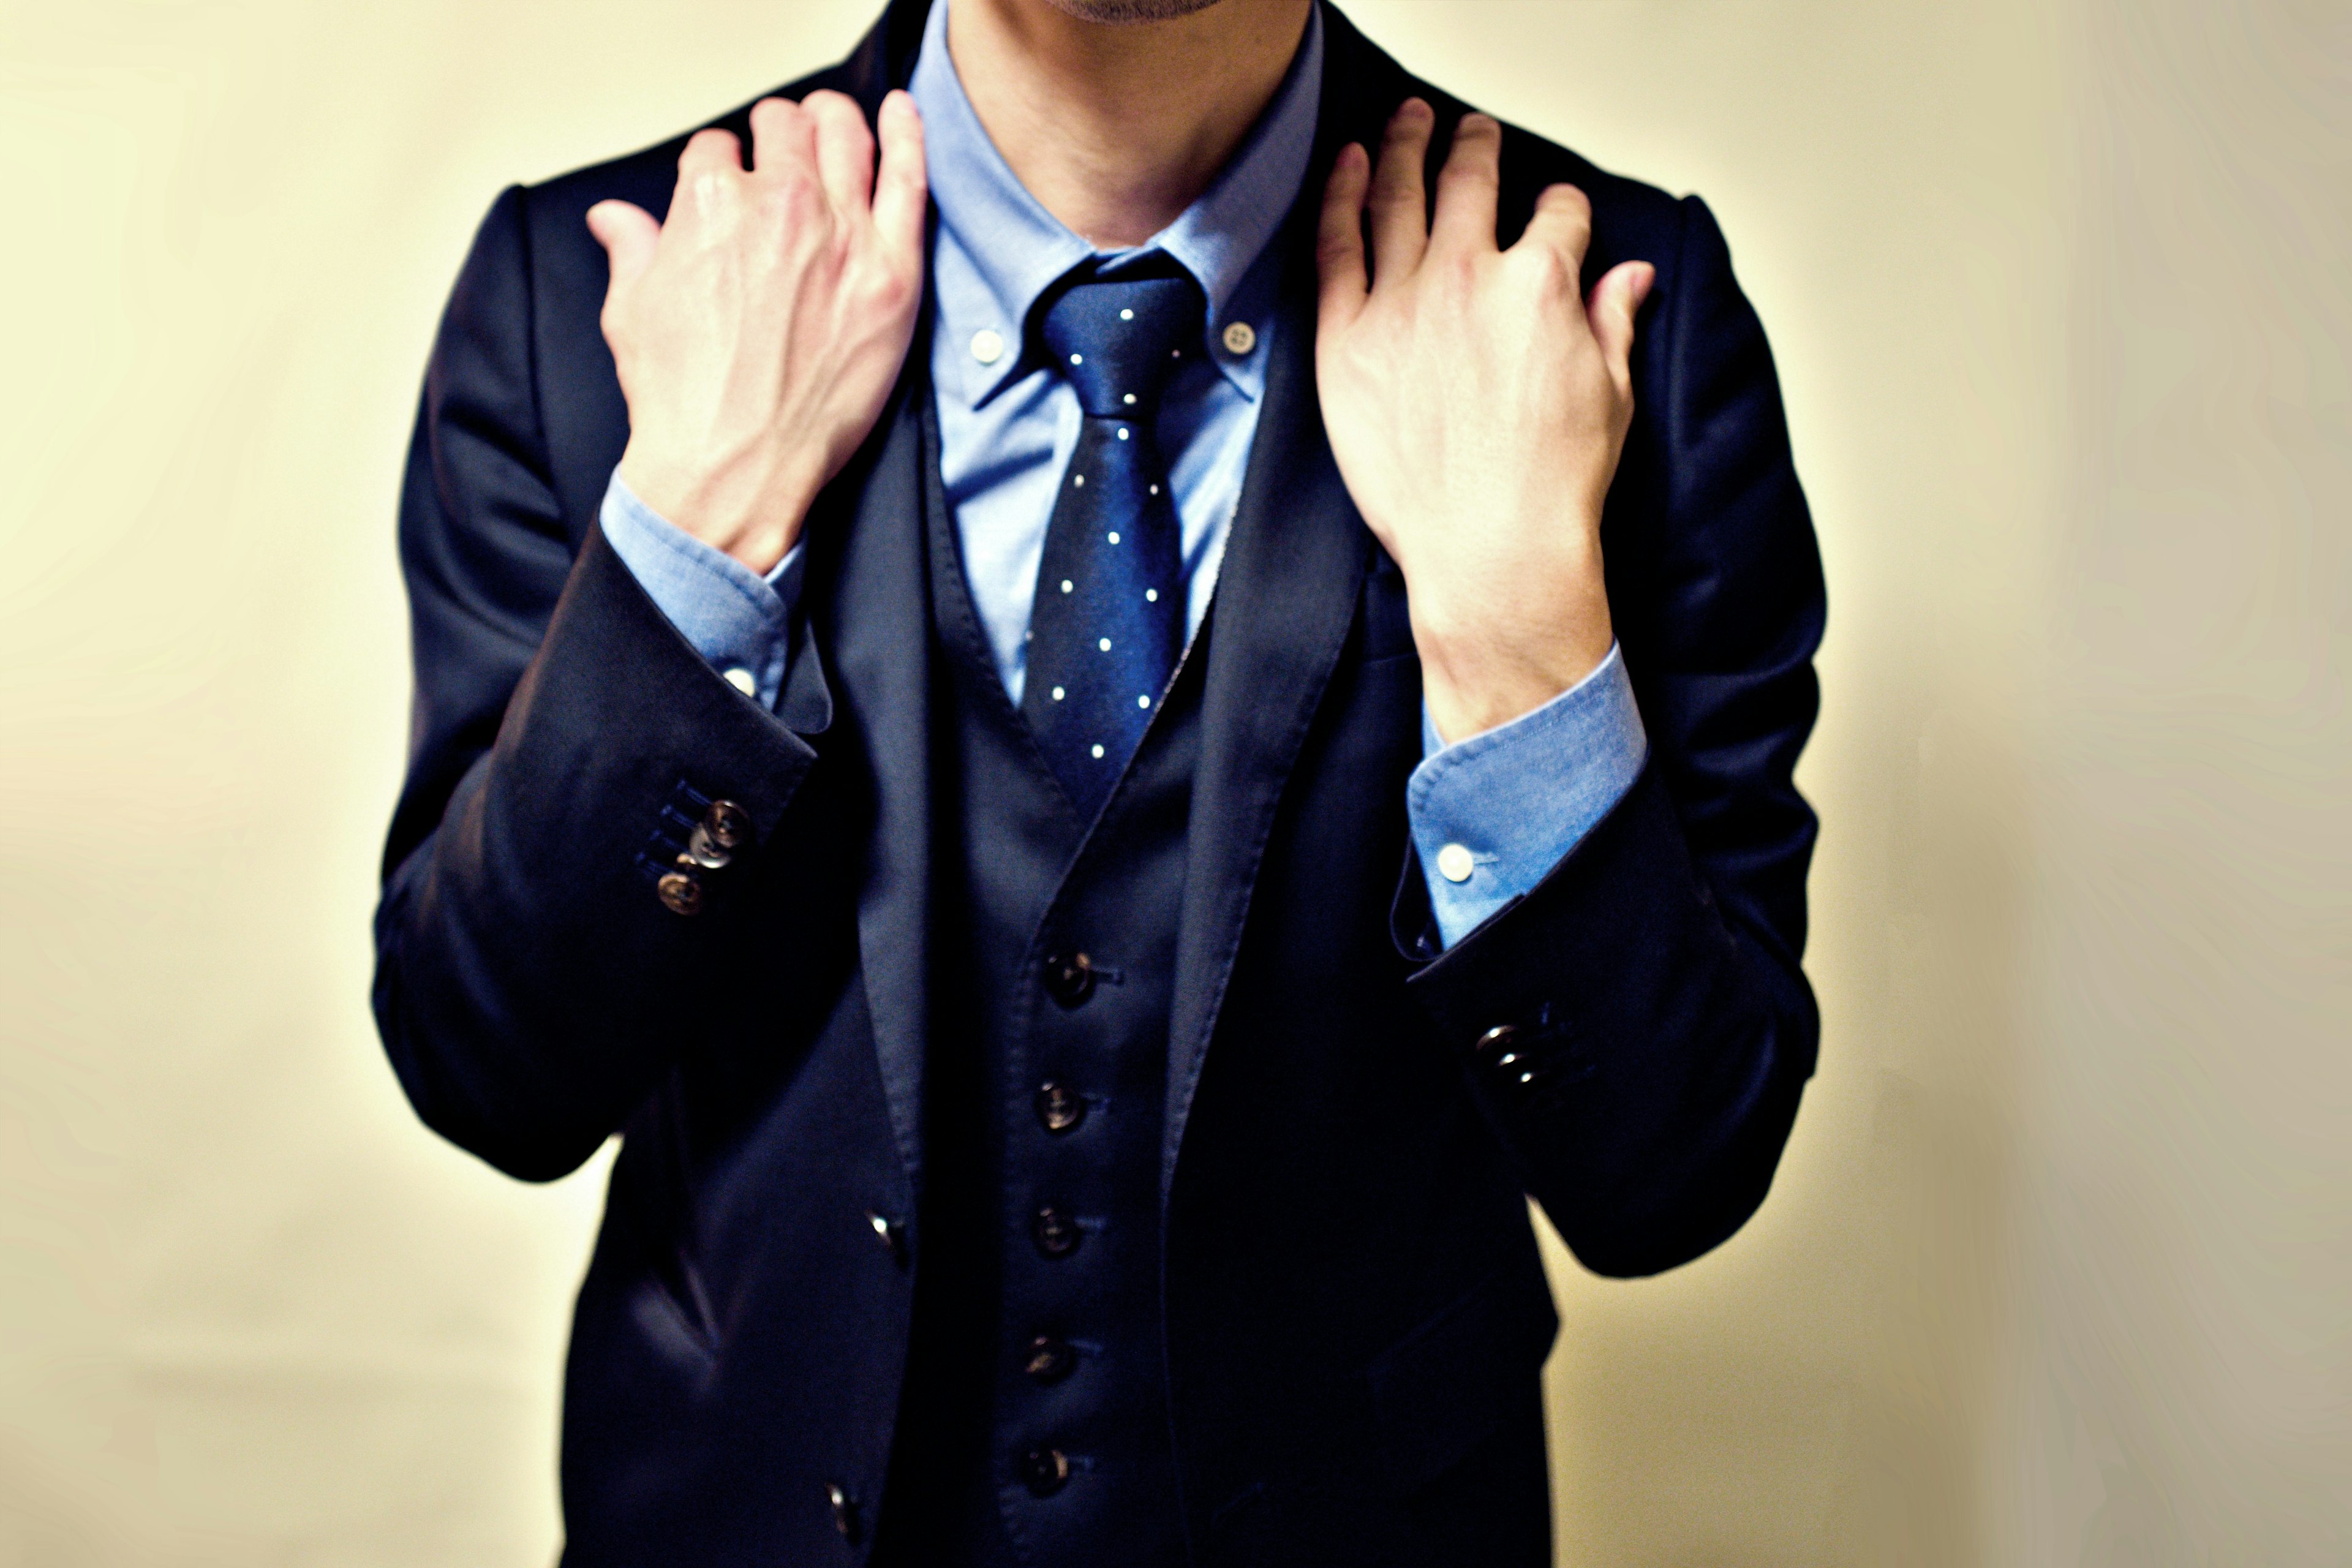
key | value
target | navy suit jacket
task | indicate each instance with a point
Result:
(1355, 1312)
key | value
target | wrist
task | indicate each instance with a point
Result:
(1480, 677)
(751, 507)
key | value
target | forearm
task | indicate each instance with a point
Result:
(531, 981)
(1638, 1054)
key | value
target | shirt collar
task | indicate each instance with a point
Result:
(1017, 250)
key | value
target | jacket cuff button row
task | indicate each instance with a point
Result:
(725, 827)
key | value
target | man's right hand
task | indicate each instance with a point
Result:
(759, 329)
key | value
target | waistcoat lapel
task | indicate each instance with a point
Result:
(1286, 597)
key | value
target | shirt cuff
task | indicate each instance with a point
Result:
(738, 620)
(1492, 815)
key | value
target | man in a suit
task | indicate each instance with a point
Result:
(1099, 774)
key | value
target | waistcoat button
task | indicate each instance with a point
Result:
(890, 1233)
(1043, 1470)
(1060, 1107)
(845, 1510)
(1056, 1232)
(1069, 978)
(1050, 1360)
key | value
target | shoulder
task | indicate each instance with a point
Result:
(1631, 219)
(555, 210)
(534, 290)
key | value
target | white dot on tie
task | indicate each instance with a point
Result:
(1112, 537)
(1097, 751)
(1059, 694)
(1151, 595)
(1122, 432)
(1104, 644)
(744, 680)
(1175, 354)
(1080, 480)
(1065, 584)
(1144, 701)
(1155, 490)
(1077, 359)
(987, 347)
(1454, 863)
(1127, 315)
(1130, 397)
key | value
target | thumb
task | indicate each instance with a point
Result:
(628, 234)
(1615, 300)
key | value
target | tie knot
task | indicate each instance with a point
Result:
(1119, 338)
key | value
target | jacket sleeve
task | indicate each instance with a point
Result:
(531, 982)
(1637, 1028)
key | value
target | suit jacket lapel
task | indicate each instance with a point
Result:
(1285, 599)
(878, 639)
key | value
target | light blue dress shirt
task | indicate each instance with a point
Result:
(1490, 815)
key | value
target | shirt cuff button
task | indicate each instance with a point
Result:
(1455, 864)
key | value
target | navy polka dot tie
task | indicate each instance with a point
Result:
(1109, 622)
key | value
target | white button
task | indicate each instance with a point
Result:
(1144, 701)
(987, 347)
(1151, 595)
(1122, 432)
(1127, 315)
(1059, 694)
(1239, 338)
(1130, 397)
(1097, 751)
(742, 680)
(1104, 644)
(1112, 536)
(1455, 864)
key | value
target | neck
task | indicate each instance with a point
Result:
(1117, 127)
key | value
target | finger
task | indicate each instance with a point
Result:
(1399, 199)
(901, 188)
(1339, 242)
(710, 151)
(628, 234)
(781, 136)
(1616, 298)
(844, 150)
(1466, 187)
(1563, 221)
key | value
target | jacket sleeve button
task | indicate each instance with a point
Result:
(705, 850)
(681, 893)
(729, 824)
(1494, 1044)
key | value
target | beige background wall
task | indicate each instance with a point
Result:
(2056, 1271)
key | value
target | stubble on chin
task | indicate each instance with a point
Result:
(1128, 10)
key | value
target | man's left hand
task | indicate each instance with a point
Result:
(1476, 405)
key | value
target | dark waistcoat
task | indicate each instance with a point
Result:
(1036, 1428)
